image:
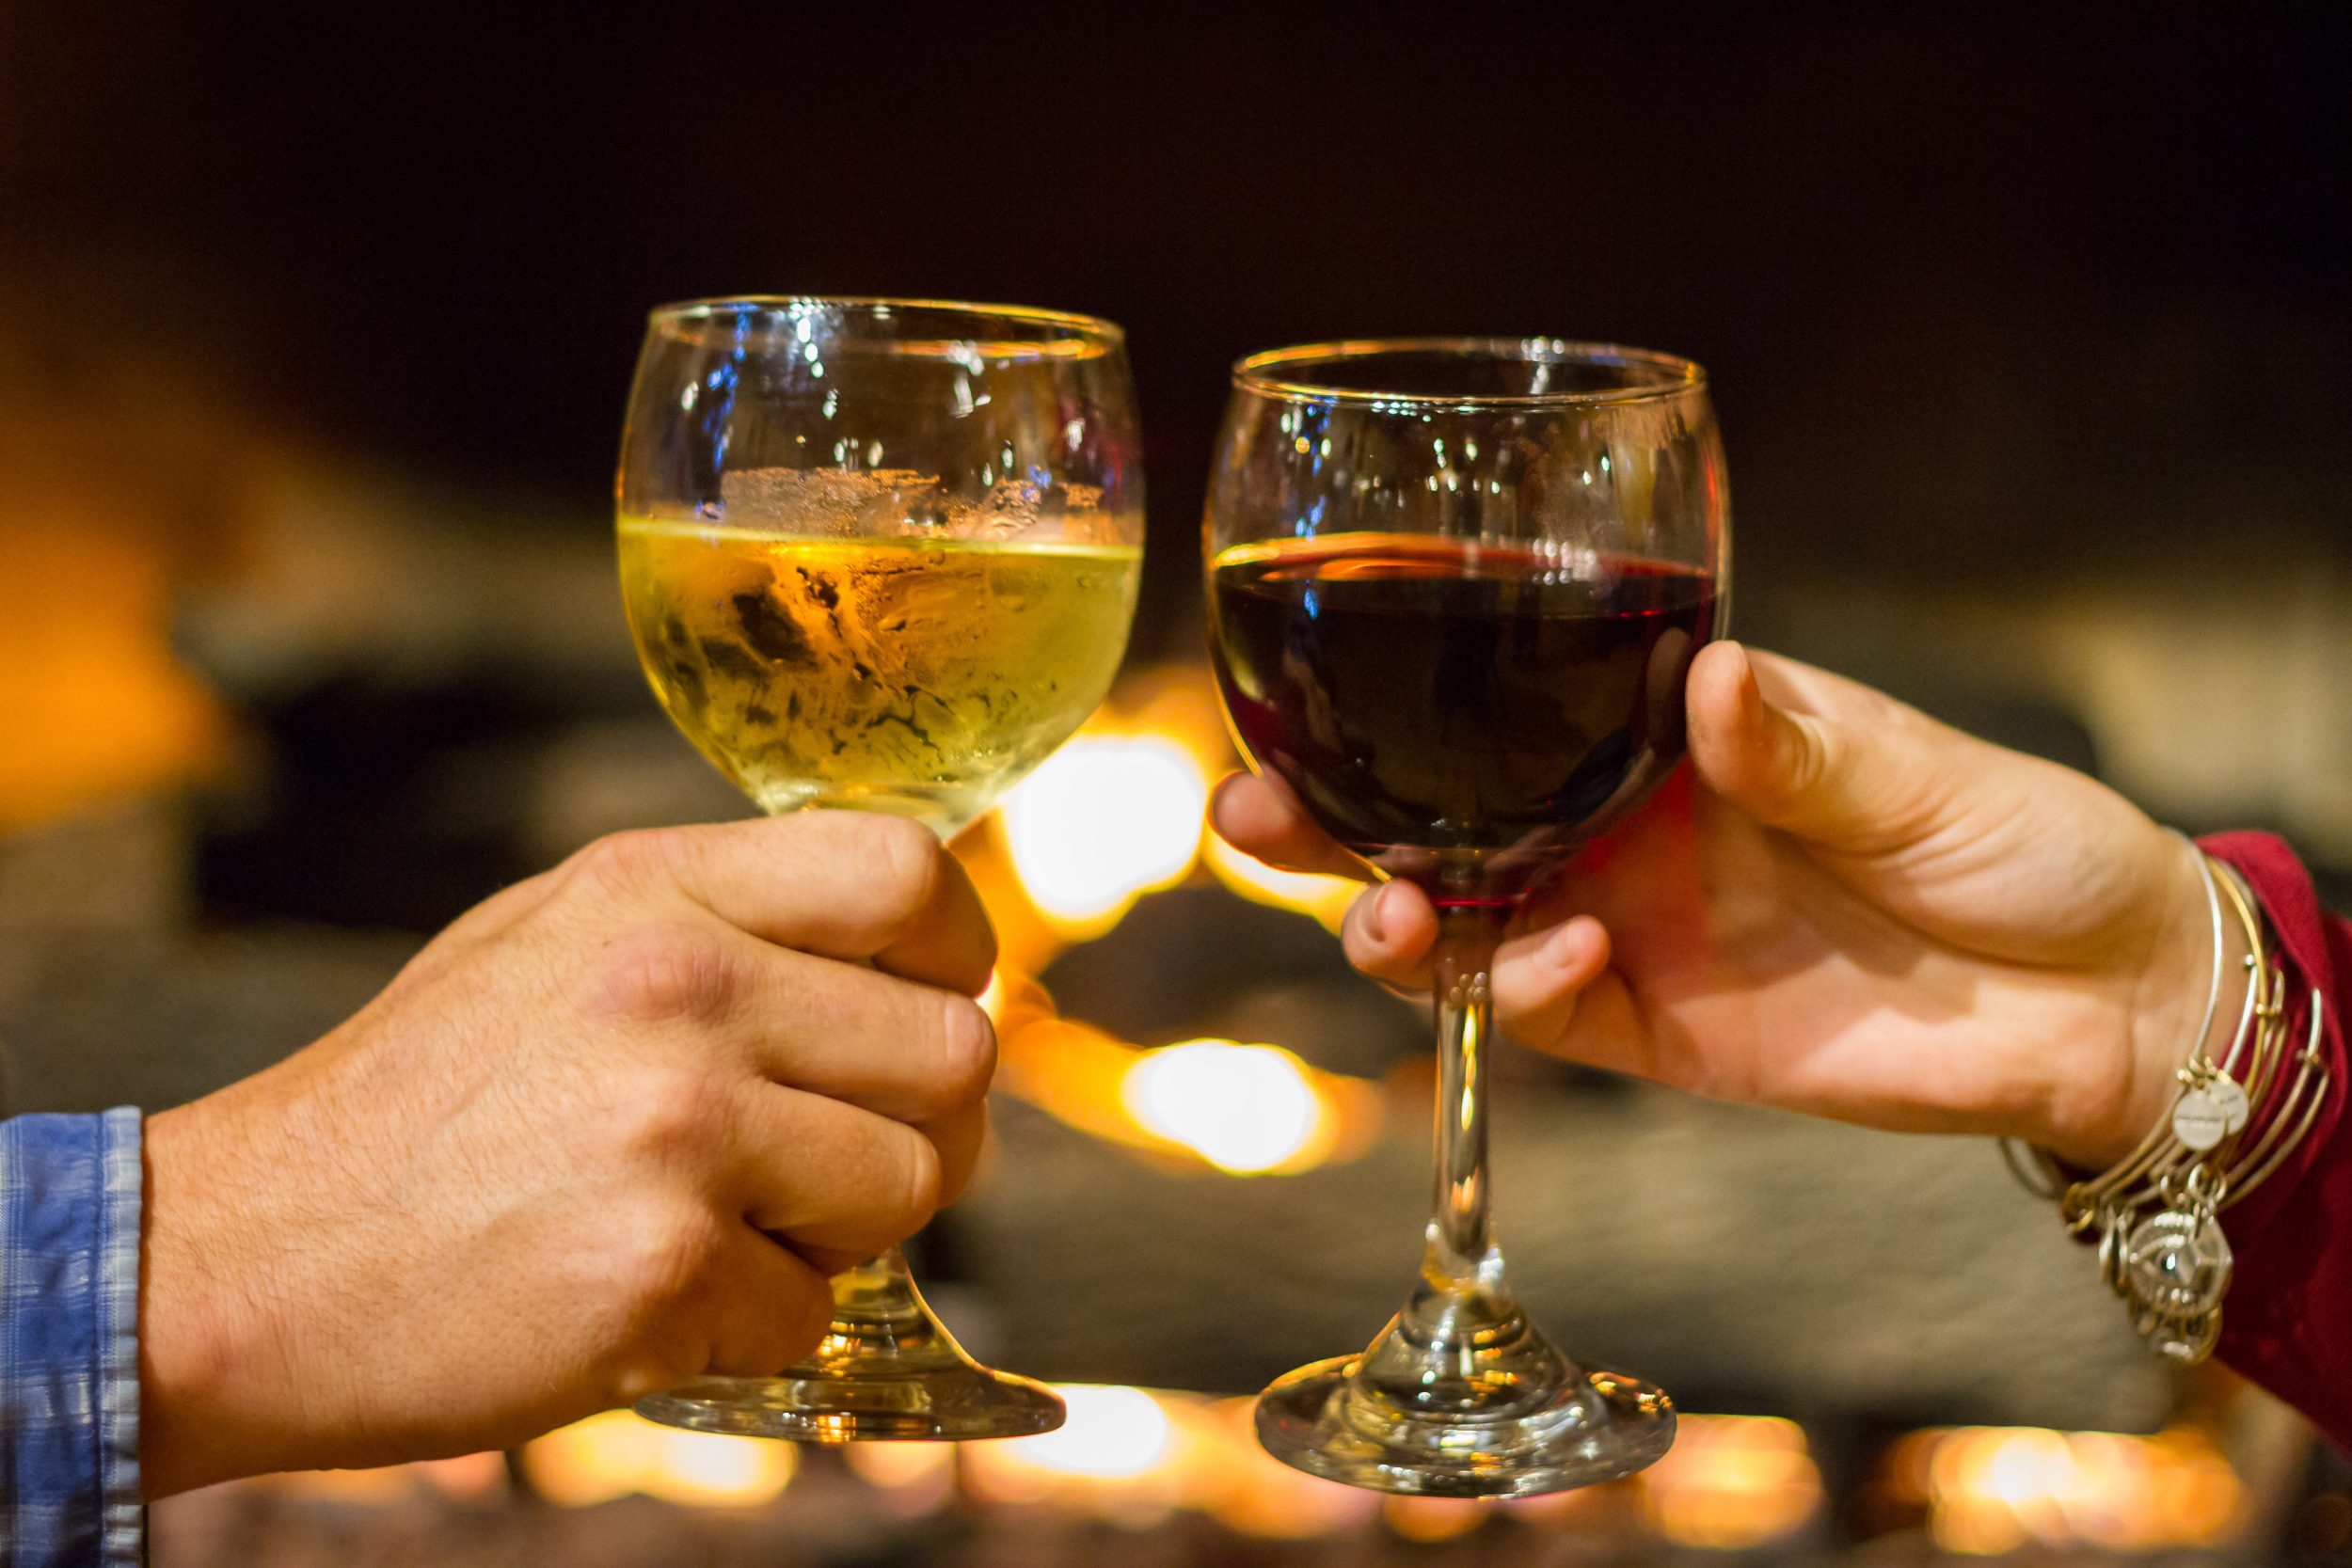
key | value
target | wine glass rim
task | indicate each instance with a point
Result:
(1081, 327)
(1674, 376)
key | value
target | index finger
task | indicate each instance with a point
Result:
(840, 884)
(1260, 820)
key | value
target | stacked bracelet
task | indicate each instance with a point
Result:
(2161, 1246)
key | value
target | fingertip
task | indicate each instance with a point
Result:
(1730, 738)
(1220, 791)
(1577, 951)
(1721, 691)
(1540, 979)
(1262, 819)
(1238, 809)
(1390, 930)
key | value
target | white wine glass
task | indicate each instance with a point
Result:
(878, 555)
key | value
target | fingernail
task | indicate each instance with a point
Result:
(1374, 926)
(1560, 951)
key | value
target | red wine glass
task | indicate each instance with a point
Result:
(1455, 585)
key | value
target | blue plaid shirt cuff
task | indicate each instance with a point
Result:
(70, 1216)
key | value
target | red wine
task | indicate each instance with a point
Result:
(1464, 714)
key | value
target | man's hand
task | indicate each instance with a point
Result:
(1852, 910)
(607, 1133)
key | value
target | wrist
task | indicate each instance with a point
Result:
(2170, 995)
(204, 1343)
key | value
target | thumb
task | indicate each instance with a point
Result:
(1817, 756)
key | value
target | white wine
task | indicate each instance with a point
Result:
(918, 675)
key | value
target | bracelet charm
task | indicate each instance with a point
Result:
(2157, 1210)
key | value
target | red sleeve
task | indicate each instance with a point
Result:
(2287, 1321)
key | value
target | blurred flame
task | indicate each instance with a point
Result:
(1994, 1489)
(617, 1453)
(1250, 1492)
(1322, 899)
(914, 1478)
(893, 1466)
(92, 699)
(1247, 1109)
(1182, 1101)
(1134, 1455)
(1116, 1455)
(1731, 1483)
(1104, 821)
(1120, 812)
(1113, 1432)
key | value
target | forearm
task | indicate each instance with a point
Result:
(2285, 1323)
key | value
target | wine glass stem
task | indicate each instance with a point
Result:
(1459, 1229)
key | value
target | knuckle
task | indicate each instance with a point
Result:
(665, 973)
(666, 1254)
(671, 1116)
(629, 860)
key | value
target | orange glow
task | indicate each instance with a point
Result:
(1432, 1519)
(1252, 1492)
(912, 1477)
(1117, 814)
(91, 699)
(1731, 1483)
(616, 1453)
(1166, 1103)
(1133, 1456)
(1996, 1489)
(1112, 1433)
(1104, 821)
(894, 1466)
(1322, 899)
(1119, 1456)
(1245, 1109)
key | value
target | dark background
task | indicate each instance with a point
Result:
(1985, 291)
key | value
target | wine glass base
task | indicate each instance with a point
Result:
(886, 1370)
(938, 1405)
(1600, 1426)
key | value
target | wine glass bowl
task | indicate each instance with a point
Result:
(878, 555)
(1455, 586)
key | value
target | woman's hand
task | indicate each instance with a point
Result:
(1846, 909)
